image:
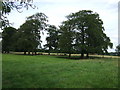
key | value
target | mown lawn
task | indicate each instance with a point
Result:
(20, 71)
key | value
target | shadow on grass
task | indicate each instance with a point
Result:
(79, 58)
(24, 54)
(65, 56)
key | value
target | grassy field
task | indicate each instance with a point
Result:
(42, 71)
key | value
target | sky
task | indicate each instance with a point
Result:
(56, 10)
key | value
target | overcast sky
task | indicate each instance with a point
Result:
(56, 10)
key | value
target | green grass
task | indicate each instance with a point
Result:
(20, 71)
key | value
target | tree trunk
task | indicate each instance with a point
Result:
(103, 56)
(25, 53)
(28, 52)
(32, 53)
(49, 50)
(69, 55)
(82, 55)
(7, 51)
(49, 53)
(35, 53)
(82, 42)
(87, 55)
(65, 54)
(2, 51)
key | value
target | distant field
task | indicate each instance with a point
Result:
(43, 71)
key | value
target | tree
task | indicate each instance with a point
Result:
(52, 39)
(66, 38)
(25, 38)
(89, 32)
(8, 39)
(118, 50)
(29, 32)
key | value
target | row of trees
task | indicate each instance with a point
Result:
(27, 37)
(82, 32)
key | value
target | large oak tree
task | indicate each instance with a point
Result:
(52, 39)
(89, 33)
(8, 39)
(29, 32)
(66, 38)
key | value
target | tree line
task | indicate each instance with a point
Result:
(81, 33)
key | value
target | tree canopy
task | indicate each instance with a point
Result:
(66, 38)
(82, 33)
(89, 36)
(52, 39)
(8, 39)
(29, 32)
(27, 37)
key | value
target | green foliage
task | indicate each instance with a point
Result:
(29, 32)
(82, 32)
(52, 39)
(8, 39)
(20, 71)
(89, 36)
(66, 38)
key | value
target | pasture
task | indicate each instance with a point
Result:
(43, 71)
